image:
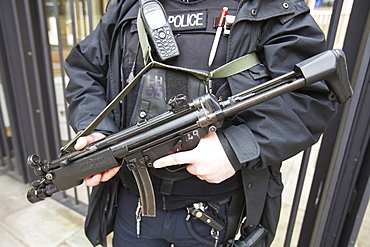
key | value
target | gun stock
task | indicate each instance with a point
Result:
(330, 66)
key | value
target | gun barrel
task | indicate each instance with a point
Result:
(255, 99)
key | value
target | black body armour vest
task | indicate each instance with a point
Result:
(194, 26)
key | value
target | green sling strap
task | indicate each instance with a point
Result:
(231, 68)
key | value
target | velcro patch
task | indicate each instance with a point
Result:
(188, 21)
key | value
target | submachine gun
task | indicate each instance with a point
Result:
(177, 130)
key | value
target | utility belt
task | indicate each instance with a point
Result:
(208, 214)
(179, 189)
(221, 216)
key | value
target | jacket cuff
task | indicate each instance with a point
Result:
(229, 151)
(242, 143)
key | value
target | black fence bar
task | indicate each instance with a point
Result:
(334, 23)
(297, 196)
(10, 59)
(359, 189)
(351, 152)
(4, 149)
(61, 61)
(73, 20)
(36, 56)
(28, 85)
(47, 83)
(356, 214)
(3, 153)
(74, 32)
(331, 36)
(89, 14)
(4, 141)
(318, 227)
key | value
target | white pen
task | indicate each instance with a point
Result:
(217, 36)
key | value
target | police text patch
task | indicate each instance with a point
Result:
(188, 21)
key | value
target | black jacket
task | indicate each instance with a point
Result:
(282, 33)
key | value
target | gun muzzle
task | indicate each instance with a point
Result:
(40, 193)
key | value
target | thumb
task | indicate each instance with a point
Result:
(80, 143)
(86, 140)
(173, 159)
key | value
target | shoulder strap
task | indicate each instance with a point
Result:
(143, 38)
(231, 68)
(236, 66)
(69, 146)
(255, 185)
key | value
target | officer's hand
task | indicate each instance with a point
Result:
(207, 161)
(100, 177)
(86, 140)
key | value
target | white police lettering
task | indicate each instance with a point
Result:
(188, 21)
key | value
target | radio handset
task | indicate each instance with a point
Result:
(158, 29)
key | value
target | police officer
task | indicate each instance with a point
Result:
(242, 159)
